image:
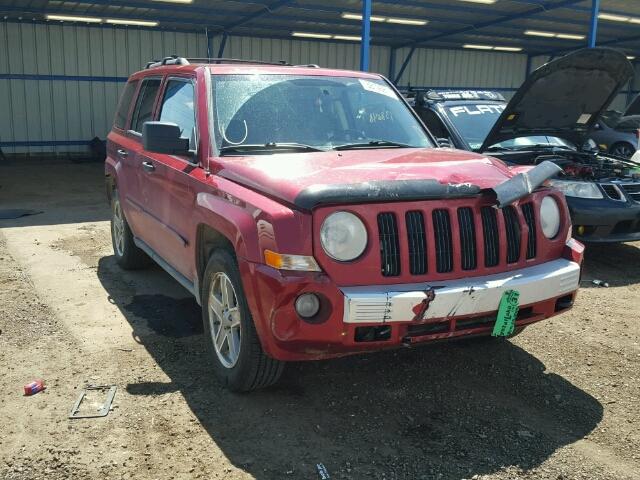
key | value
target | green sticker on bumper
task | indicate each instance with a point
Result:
(507, 314)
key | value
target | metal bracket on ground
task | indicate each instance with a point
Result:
(103, 411)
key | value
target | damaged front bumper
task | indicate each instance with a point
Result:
(469, 296)
(370, 318)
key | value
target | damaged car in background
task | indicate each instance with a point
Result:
(550, 118)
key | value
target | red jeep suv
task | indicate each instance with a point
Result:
(311, 215)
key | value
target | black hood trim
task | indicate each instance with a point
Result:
(382, 191)
(554, 97)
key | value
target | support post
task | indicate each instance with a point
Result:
(209, 39)
(365, 36)
(392, 63)
(404, 65)
(593, 26)
(528, 67)
(223, 43)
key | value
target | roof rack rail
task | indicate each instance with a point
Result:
(176, 60)
(237, 60)
(172, 60)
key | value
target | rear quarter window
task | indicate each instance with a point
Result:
(120, 120)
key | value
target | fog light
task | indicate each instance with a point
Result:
(580, 230)
(307, 305)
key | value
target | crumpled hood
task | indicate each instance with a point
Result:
(563, 98)
(290, 176)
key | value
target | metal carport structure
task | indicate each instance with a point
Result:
(400, 39)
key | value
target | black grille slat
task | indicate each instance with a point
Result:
(632, 190)
(491, 239)
(529, 217)
(512, 226)
(467, 238)
(389, 245)
(612, 191)
(417, 241)
(442, 235)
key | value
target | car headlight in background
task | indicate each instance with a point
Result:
(343, 236)
(549, 217)
(577, 189)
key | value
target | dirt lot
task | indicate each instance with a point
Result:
(561, 401)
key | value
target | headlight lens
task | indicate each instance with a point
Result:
(577, 189)
(343, 236)
(550, 217)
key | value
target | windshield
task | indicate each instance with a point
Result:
(475, 121)
(311, 113)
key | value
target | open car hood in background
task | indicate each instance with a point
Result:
(564, 98)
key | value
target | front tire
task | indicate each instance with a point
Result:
(231, 337)
(127, 254)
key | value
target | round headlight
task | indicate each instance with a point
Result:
(343, 236)
(550, 217)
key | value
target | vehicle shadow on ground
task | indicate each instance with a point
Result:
(443, 411)
(611, 263)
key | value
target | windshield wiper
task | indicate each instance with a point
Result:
(372, 144)
(269, 147)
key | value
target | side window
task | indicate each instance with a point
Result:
(125, 102)
(144, 105)
(178, 107)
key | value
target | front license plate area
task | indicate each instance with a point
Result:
(507, 314)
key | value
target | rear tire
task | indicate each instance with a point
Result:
(232, 341)
(127, 254)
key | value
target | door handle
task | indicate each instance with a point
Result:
(123, 153)
(148, 166)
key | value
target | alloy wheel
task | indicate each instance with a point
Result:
(118, 228)
(224, 320)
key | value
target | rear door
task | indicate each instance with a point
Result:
(137, 199)
(170, 192)
(119, 150)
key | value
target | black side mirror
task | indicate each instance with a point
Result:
(164, 137)
(443, 142)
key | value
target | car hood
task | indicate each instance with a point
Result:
(364, 175)
(563, 98)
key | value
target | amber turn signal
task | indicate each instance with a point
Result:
(290, 262)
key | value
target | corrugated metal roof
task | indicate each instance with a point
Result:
(451, 23)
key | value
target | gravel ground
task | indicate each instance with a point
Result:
(560, 401)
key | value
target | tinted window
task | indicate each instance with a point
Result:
(144, 105)
(125, 102)
(178, 108)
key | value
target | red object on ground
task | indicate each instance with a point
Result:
(34, 387)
